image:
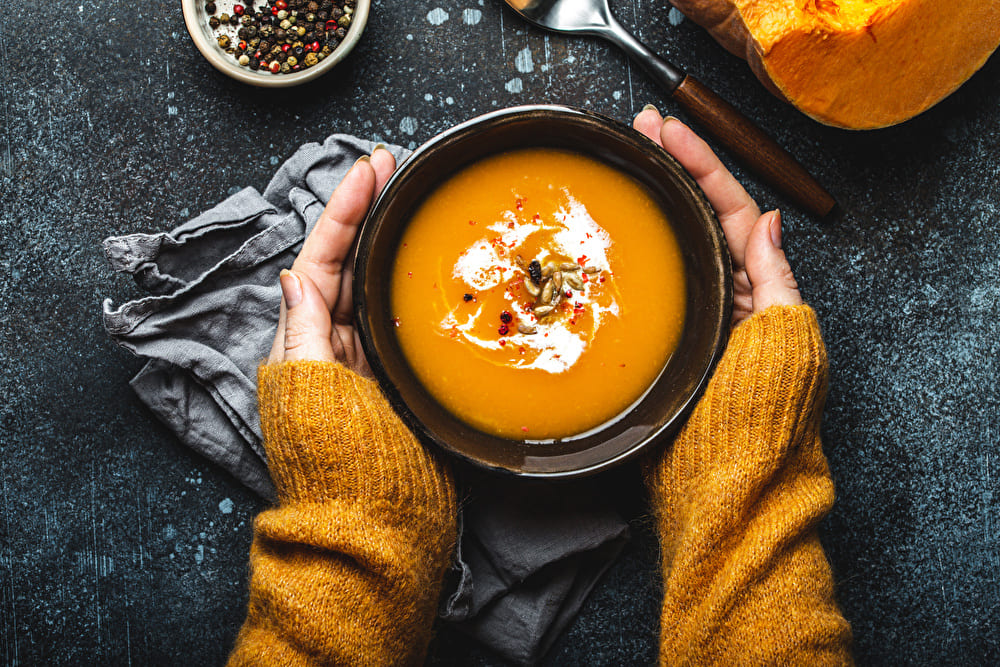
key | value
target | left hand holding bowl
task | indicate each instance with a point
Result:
(317, 312)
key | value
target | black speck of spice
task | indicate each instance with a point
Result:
(467, 297)
(535, 271)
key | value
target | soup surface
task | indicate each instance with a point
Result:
(538, 293)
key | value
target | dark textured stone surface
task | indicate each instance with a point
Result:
(118, 546)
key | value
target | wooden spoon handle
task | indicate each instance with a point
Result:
(759, 152)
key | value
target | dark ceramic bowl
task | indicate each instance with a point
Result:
(663, 408)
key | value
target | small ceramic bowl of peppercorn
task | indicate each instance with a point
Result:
(275, 43)
(542, 291)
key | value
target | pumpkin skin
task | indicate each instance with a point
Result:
(856, 64)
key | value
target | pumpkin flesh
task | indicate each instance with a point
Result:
(858, 64)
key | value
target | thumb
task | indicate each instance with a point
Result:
(307, 324)
(767, 268)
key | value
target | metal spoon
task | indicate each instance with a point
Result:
(759, 152)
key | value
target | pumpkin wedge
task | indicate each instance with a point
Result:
(857, 64)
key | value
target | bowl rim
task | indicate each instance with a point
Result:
(197, 30)
(381, 373)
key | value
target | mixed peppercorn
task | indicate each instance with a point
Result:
(282, 36)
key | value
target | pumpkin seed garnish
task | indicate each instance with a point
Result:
(547, 290)
(549, 285)
(573, 281)
(530, 287)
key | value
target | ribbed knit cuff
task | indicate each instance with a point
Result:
(330, 434)
(767, 392)
(737, 499)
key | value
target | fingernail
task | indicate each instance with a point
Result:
(291, 288)
(775, 227)
(666, 118)
(363, 158)
(379, 146)
(650, 107)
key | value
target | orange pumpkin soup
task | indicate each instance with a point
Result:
(538, 293)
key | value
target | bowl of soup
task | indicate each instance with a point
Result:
(542, 290)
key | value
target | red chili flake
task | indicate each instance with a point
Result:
(502, 342)
(621, 365)
(573, 321)
(524, 428)
(536, 218)
(602, 279)
(586, 278)
(409, 274)
(510, 225)
(568, 294)
(472, 222)
(503, 331)
(582, 260)
(519, 204)
(521, 350)
(395, 321)
(506, 317)
(588, 235)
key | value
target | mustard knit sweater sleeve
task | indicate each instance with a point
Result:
(737, 499)
(347, 568)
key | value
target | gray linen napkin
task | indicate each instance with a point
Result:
(527, 556)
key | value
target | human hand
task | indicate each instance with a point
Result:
(761, 274)
(317, 311)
